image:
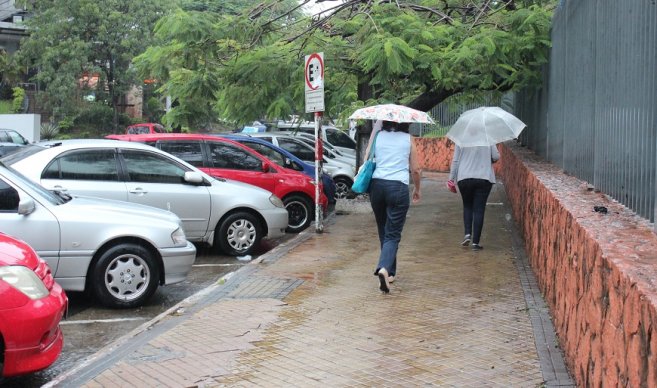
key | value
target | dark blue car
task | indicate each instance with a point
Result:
(285, 159)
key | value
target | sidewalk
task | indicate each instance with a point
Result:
(309, 313)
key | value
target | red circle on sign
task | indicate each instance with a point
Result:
(321, 63)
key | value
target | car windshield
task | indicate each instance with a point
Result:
(21, 154)
(55, 198)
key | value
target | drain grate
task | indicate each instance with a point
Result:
(264, 287)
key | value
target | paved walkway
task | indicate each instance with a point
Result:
(309, 314)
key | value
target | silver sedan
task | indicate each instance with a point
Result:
(119, 251)
(230, 215)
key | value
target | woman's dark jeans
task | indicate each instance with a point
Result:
(390, 201)
(474, 193)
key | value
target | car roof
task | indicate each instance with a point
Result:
(92, 143)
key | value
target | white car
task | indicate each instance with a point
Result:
(330, 152)
(341, 172)
(230, 215)
(118, 251)
(331, 134)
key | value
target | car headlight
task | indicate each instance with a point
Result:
(178, 237)
(276, 201)
(24, 280)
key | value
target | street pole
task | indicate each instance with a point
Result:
(319, 156)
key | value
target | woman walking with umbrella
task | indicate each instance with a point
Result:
(476, 134)
(395, 155)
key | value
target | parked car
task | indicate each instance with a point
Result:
(223, 158)
(230, 215)
(285, 159)
(331, 134)
(136, 129)
(326, 144)
(31, 307)
(10, 141)
(118, 251)
(342, 173)
(330, 152)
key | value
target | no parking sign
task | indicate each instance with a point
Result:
(314, 81)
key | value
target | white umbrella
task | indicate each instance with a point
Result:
(485, 126)
(392, 112)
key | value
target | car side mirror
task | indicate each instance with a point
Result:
(266, 167)
(193, 177)
(26, 206)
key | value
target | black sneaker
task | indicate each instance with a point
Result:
(477, 247)
(466, 240)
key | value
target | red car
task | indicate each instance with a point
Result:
(224, 158)
(136, 129)
(31, 307)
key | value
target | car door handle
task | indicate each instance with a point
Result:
(138, 191)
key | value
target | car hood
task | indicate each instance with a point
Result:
(16, 252)
(95, 208)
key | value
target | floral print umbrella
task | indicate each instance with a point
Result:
(392, 112)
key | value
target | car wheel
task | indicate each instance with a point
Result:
(125, 276)
(300, 210)
(343, 188)
(238, 234)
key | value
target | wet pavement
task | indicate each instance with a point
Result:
(309, 313)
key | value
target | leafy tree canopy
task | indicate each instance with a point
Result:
(246, 61)
(71, 39)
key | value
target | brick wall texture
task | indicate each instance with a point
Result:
(597, 271)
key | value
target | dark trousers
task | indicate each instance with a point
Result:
(474, 193)
(390, 202)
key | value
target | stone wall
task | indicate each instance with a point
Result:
(435, 154)
(597, 271)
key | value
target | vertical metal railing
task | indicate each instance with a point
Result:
(595, 115)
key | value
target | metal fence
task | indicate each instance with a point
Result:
(596, 114)
(447, 112)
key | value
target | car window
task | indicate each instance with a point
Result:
(4, 137)
(229, 156)
(152, 168)
(270, 153)
(266, 138)
(189, 151)
(157, 128)
(9, 198)
(340, 139)
(92, 165)
(17, 138)
(141, 129)
(297, 149)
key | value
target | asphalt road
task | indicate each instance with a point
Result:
(89, 327)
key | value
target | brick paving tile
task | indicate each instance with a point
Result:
(314, 317)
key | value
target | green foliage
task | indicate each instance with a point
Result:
(19, 98)
(71, 39)
(6, 106)
(243, 61)
(66, 123)
(49, 130)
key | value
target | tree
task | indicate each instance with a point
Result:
(417, 53)
(79, 45)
